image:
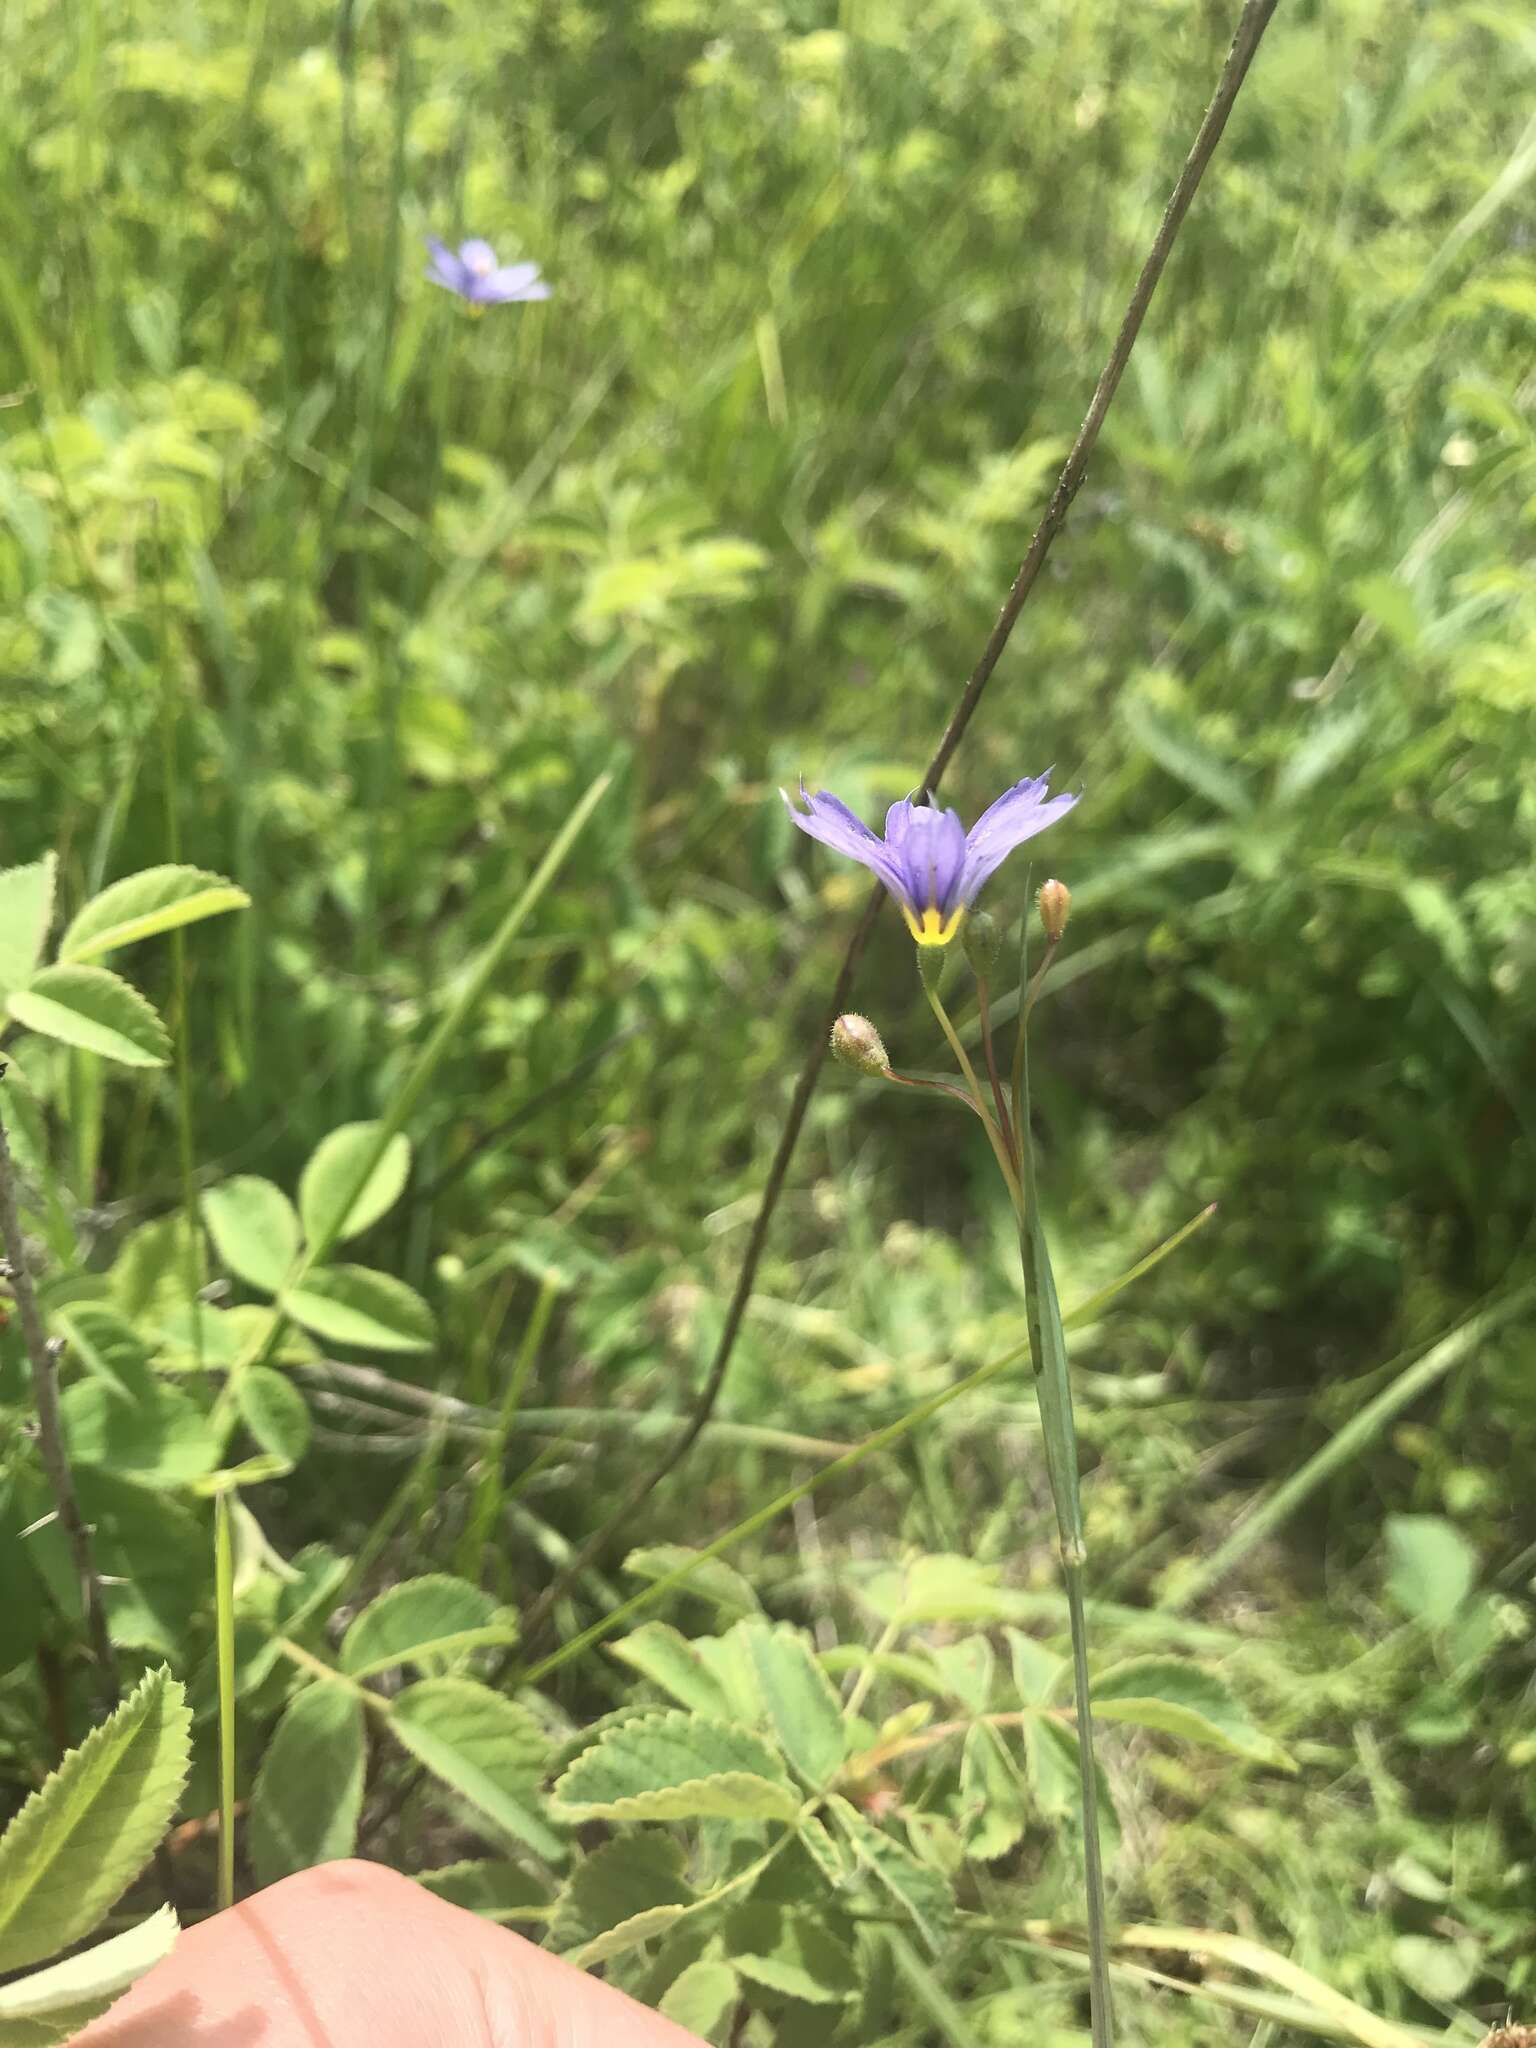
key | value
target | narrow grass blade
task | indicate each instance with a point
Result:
(224, 1608)
(1053, 1388)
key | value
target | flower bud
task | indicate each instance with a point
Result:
(931, 963)
(1055, 901)
(857, 1044)
(982, 938)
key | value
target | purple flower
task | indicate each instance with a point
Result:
(476, 276)
(929, 862)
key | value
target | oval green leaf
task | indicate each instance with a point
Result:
(349, 1183)
(254, 1230)
(94, 1011)
(419, 1621)
(143, 905)
(356, 1306)
(309, 1791)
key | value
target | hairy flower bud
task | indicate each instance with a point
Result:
(982, 939)
(857, 1044)
(1055, 901)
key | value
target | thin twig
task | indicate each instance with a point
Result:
(1251, 25)
(44, 1355)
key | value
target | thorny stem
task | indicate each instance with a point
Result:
(1252, 23)
(44, 1356)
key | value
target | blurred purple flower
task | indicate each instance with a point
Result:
(475, 275)
(929, 862)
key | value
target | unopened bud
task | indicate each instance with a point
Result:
(983, 940)
(857, 1044)
(931, 964)
(1055, 901)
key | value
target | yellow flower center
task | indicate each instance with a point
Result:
(933, 928)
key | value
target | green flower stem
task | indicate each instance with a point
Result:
(994, 1135)
(1004, 1121)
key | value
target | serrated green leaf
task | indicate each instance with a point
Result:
(254, 1230)
(75, 1991)
(715, 1581)
(970, 1668)
(619, 1881)
(1037, 1671)
(992, 1805)
(489, 1750)
(701, 1997)
(84, 1835)
(160, 1438)
(917, 1888)
(95, 1011)
(803, 1710)
(831, 1857)
(421, 1621)
(26, 909)
(308, 1794)
(495, 1889)
(330, 1181)
(791, 1953)
(677, 1766)
(645, 1926)
(941, 1587)
(356, 1306)
(274, 1411)
(665, 1656)
(143, 905)
(1432, 1568)
(1178, 1698)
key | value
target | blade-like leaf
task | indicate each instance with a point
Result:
(489, 1750)
(26, 907)
(84, 1835)
(1179, 1698)
(421, 1621)
(309, 1791)
(677, 1766)
(140, 906)
(254, 1230)
(330, 1180)
(95, 1011)
(355, 1306)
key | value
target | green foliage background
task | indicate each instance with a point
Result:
(312, 579)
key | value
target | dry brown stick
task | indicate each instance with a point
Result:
(1251, 25)
(44, 1355)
